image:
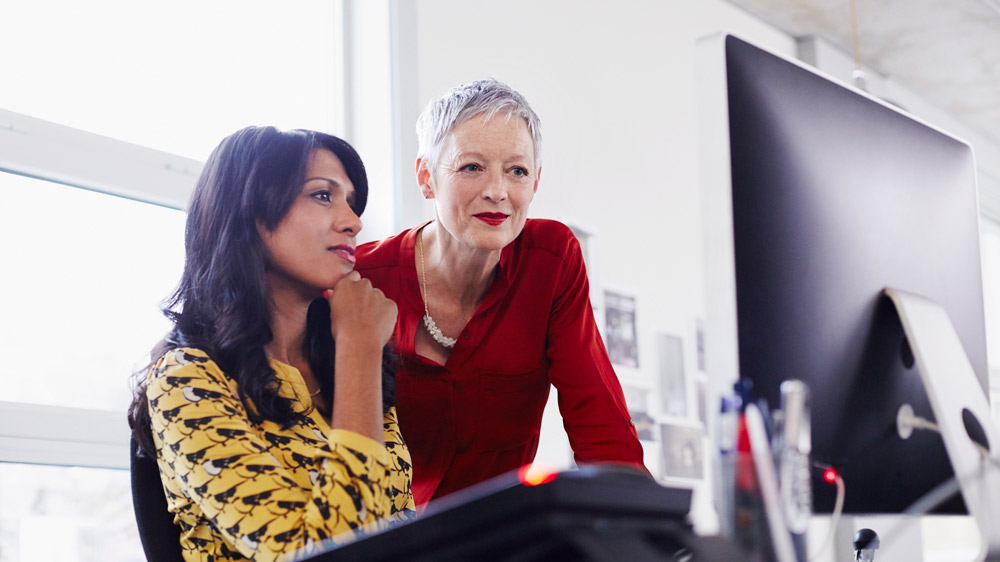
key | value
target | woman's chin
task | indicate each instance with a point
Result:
(494, 239)
(491, 243)
(315, 288)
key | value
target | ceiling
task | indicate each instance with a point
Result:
(948, 51)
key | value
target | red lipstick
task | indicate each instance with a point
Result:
(492, 219)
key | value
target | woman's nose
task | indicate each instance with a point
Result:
(495, 188)
(349, 223)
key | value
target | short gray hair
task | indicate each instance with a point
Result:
(485, 97)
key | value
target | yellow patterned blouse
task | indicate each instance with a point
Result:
(240, 490)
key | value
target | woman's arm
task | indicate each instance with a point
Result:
(242, 476)
(361, 322)
(590, 397)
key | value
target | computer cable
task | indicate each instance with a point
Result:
(831, 476)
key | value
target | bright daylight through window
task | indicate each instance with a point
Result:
(126, 98)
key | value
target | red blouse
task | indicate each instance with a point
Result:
(479, 414)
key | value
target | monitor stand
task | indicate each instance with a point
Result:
(960, 408)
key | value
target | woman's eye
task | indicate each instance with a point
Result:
(519, 171)
(471, 168)
(322, 195)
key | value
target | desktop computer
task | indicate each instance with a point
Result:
(843, 250)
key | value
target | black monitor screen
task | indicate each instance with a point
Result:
(835, 196)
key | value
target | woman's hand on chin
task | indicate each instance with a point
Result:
(360, 312)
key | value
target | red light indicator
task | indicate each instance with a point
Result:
(830, 475)
(535, 474)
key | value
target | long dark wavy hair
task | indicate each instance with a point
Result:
(221, 304)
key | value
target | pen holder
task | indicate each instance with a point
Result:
(771, 497)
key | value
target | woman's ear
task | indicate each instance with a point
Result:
(424, 179)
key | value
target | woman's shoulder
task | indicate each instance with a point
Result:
(548, 234)
(186, 375)
(380, 253)
(547, 228)
(179, 356)
(185, 361)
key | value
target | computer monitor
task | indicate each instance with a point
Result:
(819, 196)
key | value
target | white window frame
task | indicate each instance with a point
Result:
(52, 152)
(57, 435)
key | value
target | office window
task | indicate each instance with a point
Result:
(176, 76)
(106, 114)
(85, 272)
(70, 514)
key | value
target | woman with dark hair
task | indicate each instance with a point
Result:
(269, 407)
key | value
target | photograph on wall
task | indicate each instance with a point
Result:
(637, 400)
(620, 331)
(682, 450)
(673, 385)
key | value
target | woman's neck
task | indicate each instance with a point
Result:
(288, 324)
(456, 269)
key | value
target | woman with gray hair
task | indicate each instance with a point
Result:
(493, 307)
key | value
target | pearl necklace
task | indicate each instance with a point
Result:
(432, 328)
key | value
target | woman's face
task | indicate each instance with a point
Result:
(484, 181)
(313, 245)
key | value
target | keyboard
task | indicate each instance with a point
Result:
(597, 513)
